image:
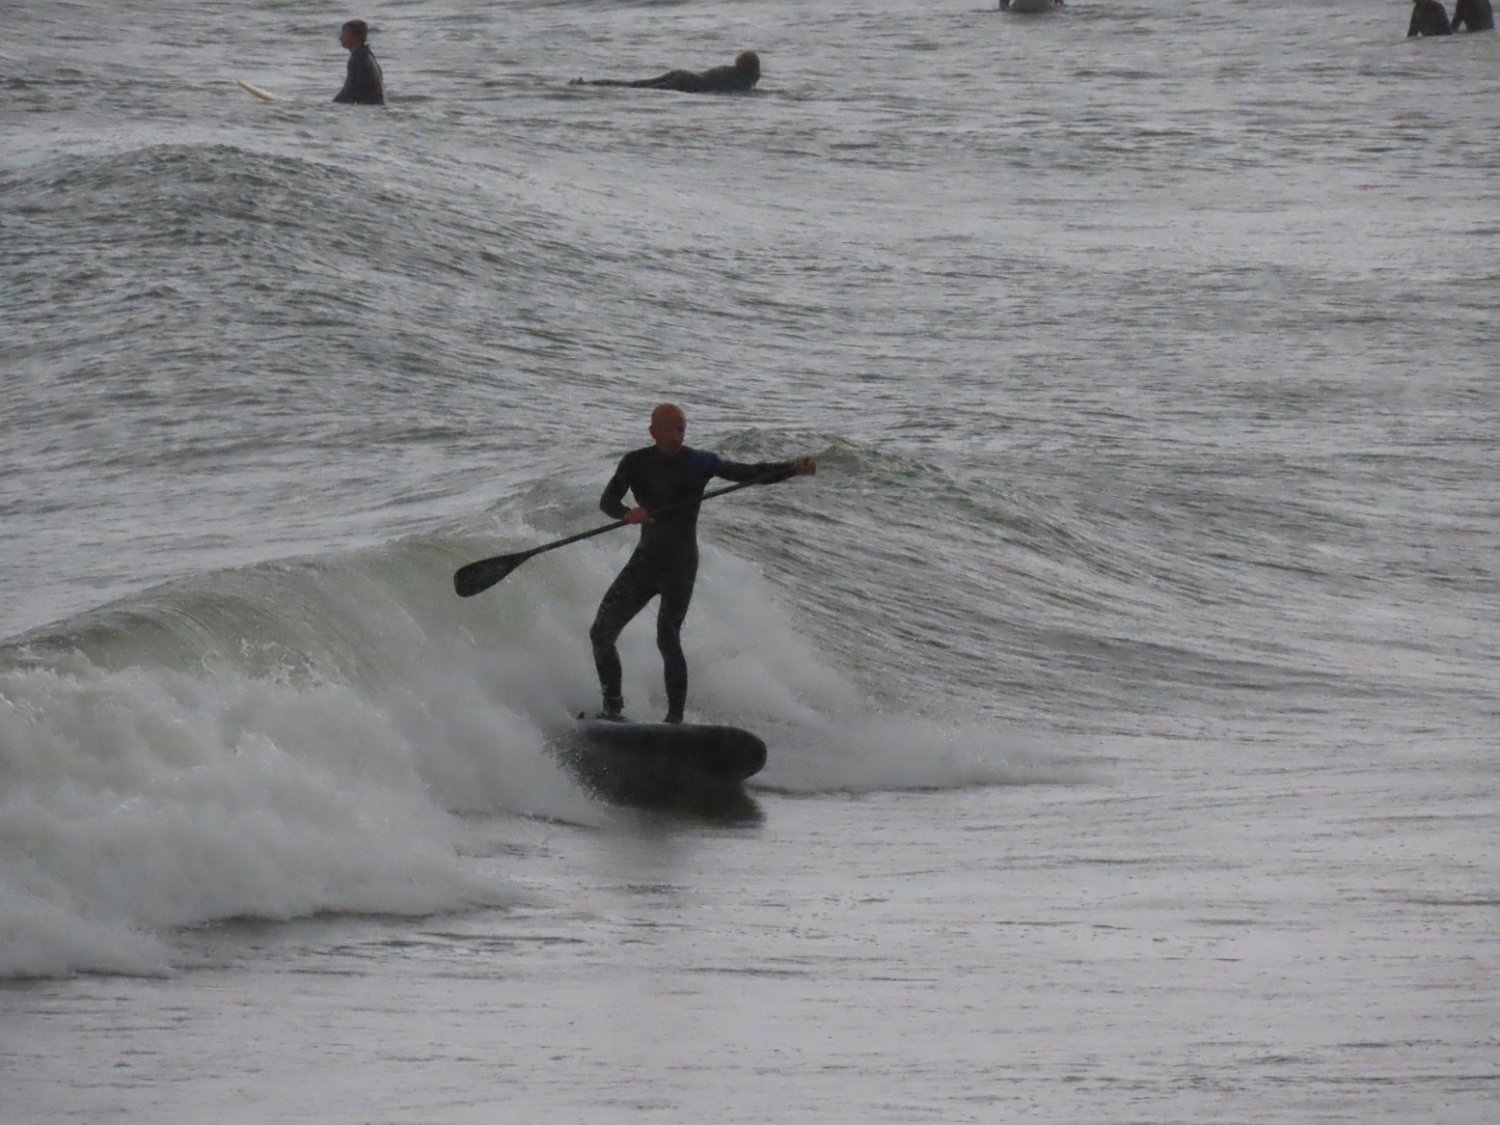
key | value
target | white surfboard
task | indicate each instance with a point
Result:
(256, 91)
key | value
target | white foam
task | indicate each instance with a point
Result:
(138, 800)
(291, 740)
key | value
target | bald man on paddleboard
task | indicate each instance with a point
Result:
(666, 477)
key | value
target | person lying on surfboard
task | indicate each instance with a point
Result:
(737, 79)
(363, 83)
(669, 478)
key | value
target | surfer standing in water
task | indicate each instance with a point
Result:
(665, 562)
(1476, 15)
(737, 79)
(363, 83)
(1428, 17)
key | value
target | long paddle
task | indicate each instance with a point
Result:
(477, 577)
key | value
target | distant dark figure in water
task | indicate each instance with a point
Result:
(1476, 15)
(363, 82)
(737, 79)
(1428, 17)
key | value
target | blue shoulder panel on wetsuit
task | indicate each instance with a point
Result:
(704, 463)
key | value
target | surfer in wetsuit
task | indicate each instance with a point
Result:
(1476, 15)
(737, 79)
(1428, 17)
(665, 561)
(363, 83)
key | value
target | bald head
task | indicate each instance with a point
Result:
(668, 412)
(668, 428)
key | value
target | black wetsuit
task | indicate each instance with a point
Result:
(719, 80)
(364, 84)
(1428, 17)
(665, 561)
(1476, 15)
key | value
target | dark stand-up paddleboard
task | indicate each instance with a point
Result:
(672, 765)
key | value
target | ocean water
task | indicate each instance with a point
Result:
(1128, 668)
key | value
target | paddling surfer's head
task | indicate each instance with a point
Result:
(353, 34)
(668, 428)
(748, 64)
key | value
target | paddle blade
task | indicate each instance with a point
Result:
(479, 576)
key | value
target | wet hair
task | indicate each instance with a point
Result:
(748, 64)
(358, 28)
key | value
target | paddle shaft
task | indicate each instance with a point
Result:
(479, 576)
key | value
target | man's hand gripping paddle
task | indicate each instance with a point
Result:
(477, 577)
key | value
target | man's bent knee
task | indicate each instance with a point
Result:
(669, 643)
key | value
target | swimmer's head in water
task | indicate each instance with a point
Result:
(748, 64)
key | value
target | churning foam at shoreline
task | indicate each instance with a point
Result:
(293, 739)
